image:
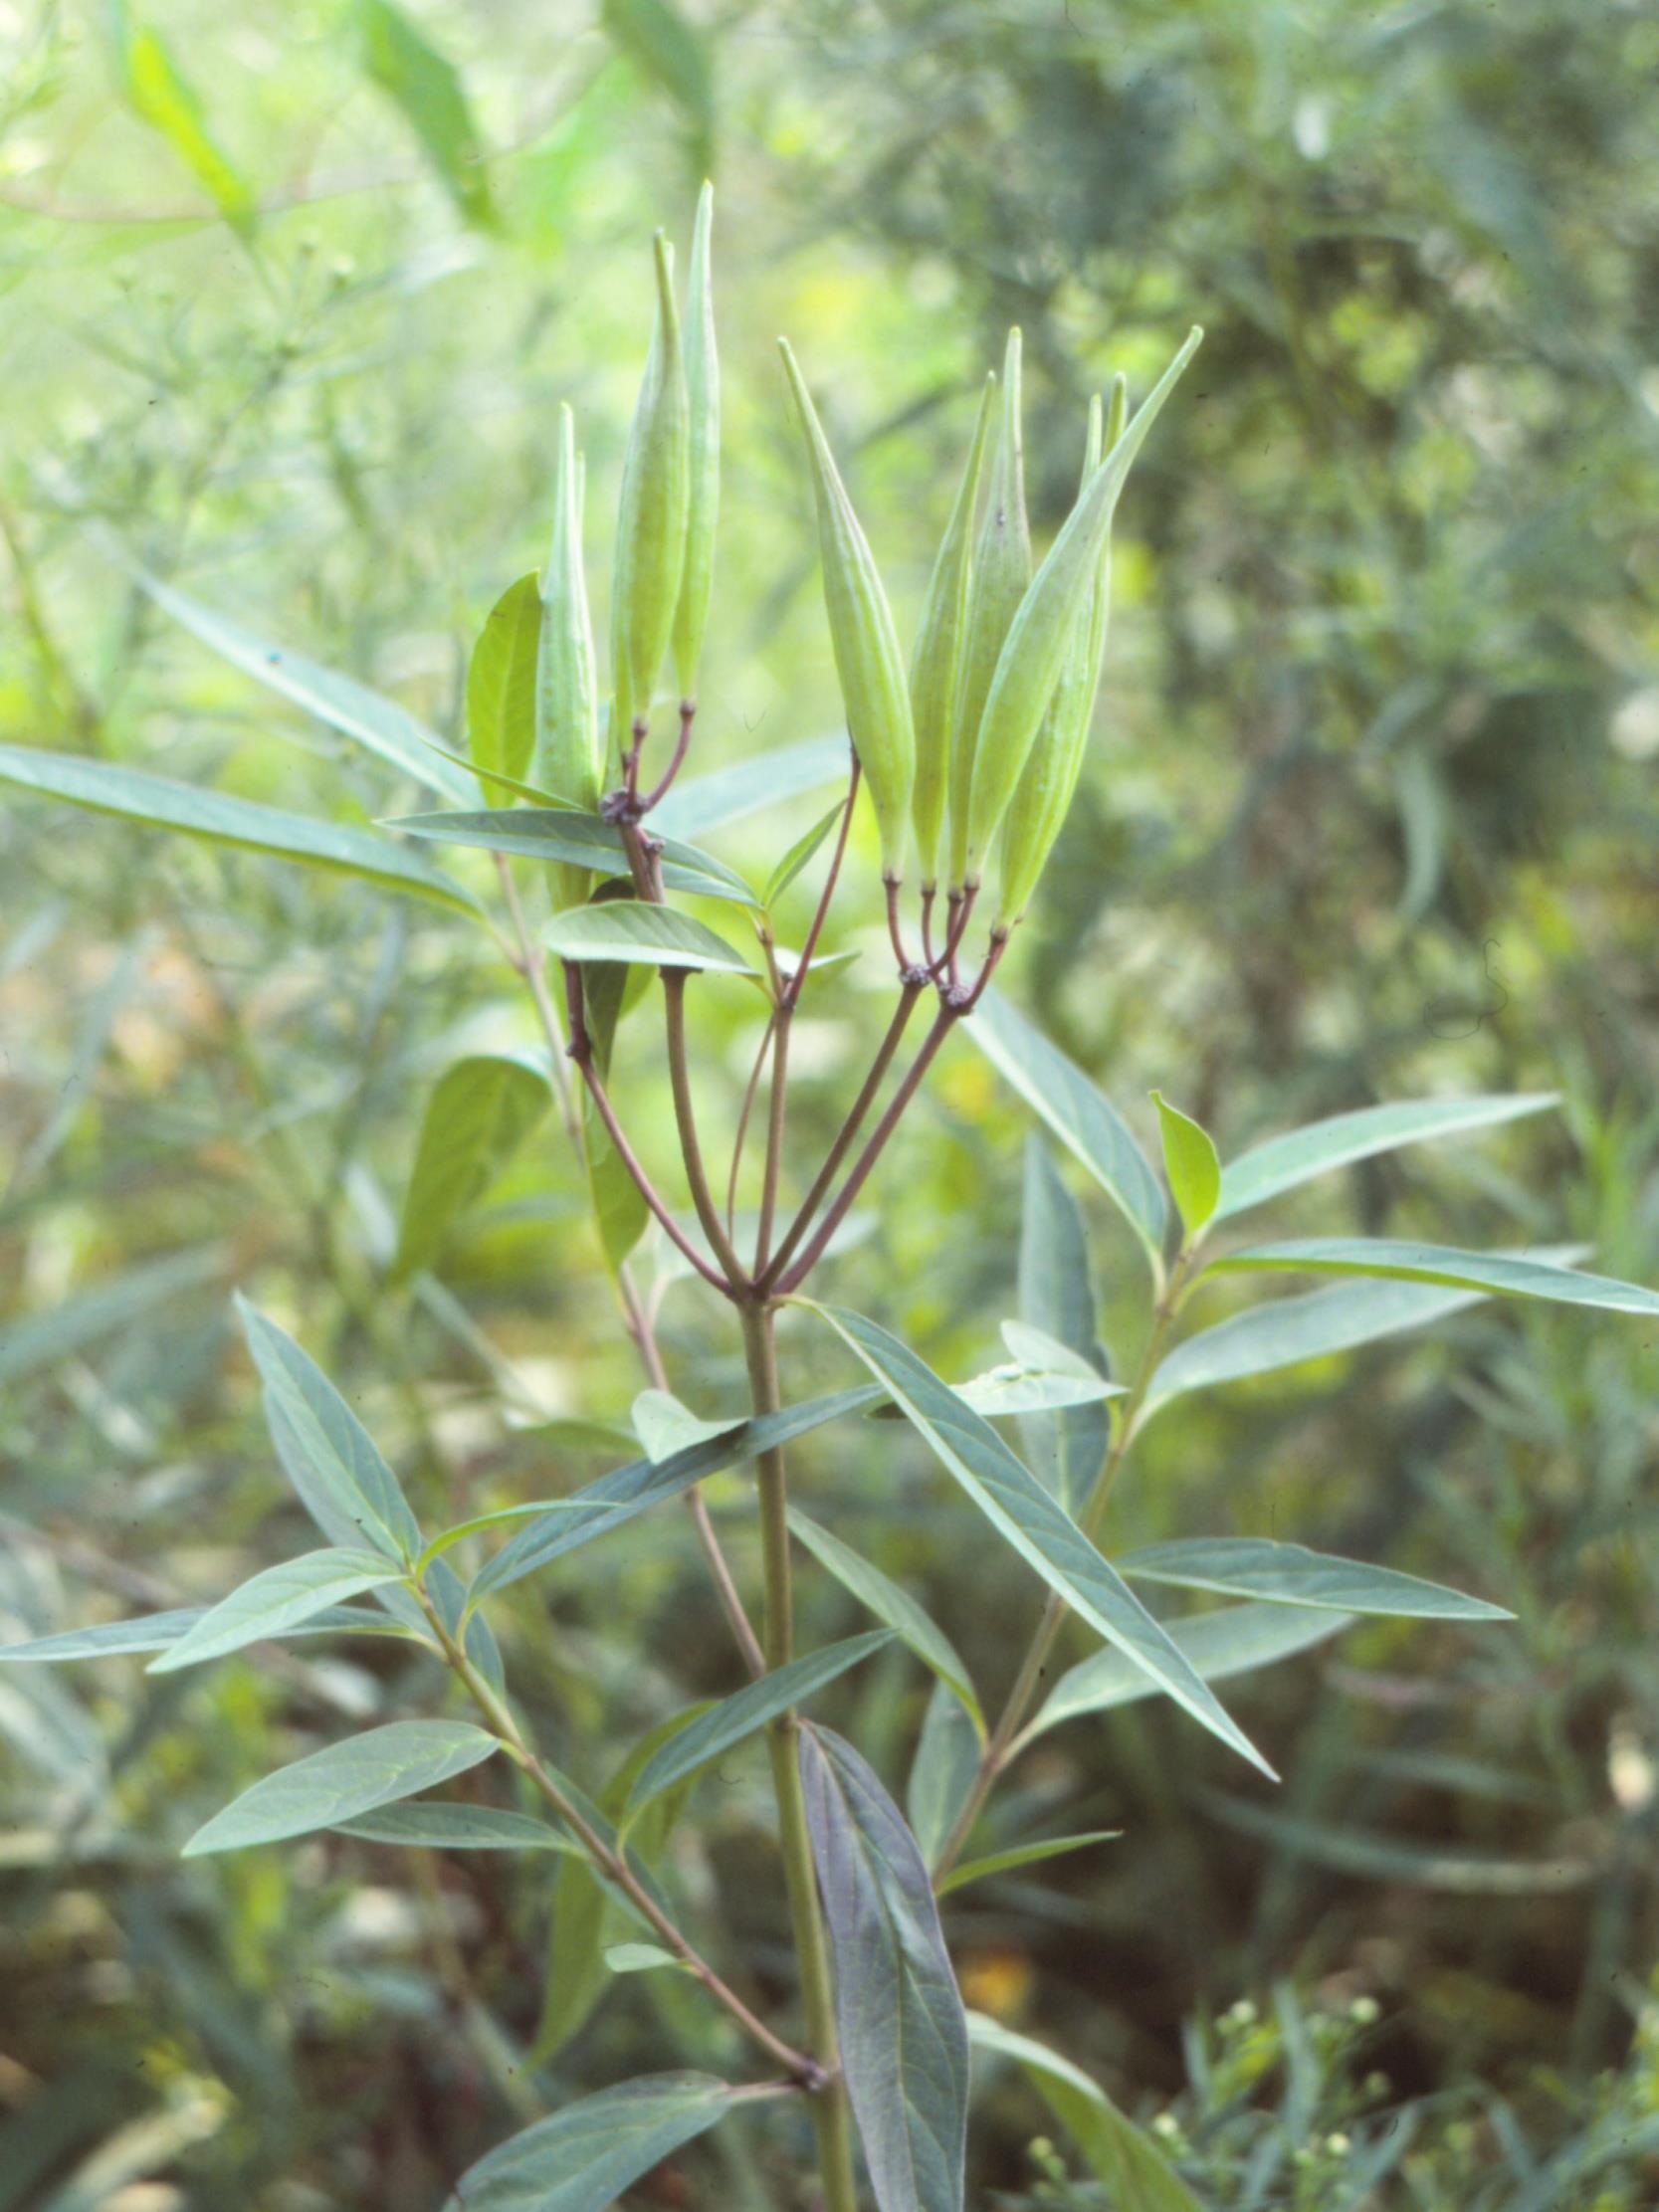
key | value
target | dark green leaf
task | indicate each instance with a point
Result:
(1056, 1294)
(1191, 1163)
(891, 1604)
(1085, 1122)
(1283, 1161)
(275, 1601)
(424, 86)
(1021, 1854)
(752, 786)
(436, 1825)
(346, 1779)
(141, 797)
(580, 840)
(1500, 1273)
(480, 1112)
(500, 680)
(582, 2158)
(902, 2031)
(631, 930)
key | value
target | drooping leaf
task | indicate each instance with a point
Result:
(891, 1604)
(139, 796)
(616, 1497)
(1500, 1273)
(1085, 1122)
(326, 1451)
(436, 1825)
(1057, 1296)
(424, 87)
(1234, 1640)
(1283, 1161)
(158, 90)
(480, 1112)
(946, 1762)
(1289, 1575)
(372, 720)
(275, 1601)
(582, 2158)
(344, 1780)
(500, 680)
(159, 1632)
(736, 1718)
(902, 2031)
(1032, 1522)
(1191, 1163)
(578, 840)
(1021, 1854)
(1135, 2172)
(754, 785)
(635, 932)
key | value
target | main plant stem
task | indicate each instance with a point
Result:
(829, 2105)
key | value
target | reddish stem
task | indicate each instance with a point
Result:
(792, 989)
(688, 711)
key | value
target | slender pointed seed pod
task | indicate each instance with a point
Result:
(703, 398)
(868, 661)
(1039, 805)
(1001, 574)
(1029, 665)
(651, 524)
(570, 753)
(937, 661)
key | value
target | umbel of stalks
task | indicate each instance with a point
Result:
(570, 753)
(651, 521)
(1029, 665)
(868, 661)
(937, 661)
(703, 403)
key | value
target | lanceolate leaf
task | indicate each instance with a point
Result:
(793, 861)
(1289, 1575)
(500, 680)
(435, 1825)
(165, 97)
(423, 85)
(902, 2031)
(755, 785)
(140, 798)
(1021, 1854)
(746, 1712)
(159, 1632)
(1191, 1164)
(480, 1112)
(373, 722)
(1234, 1640)
(580, 840)
(582, 2158)
(1085, 1122)
(344, 1780)
(1039, 1528)
(275, 1601)
(1501, 1273)
(326, 1453)
(631, 930)
(891, 1604)
(1136, 2173)
(1283, 1161)
(617, 1498)
(946, 1760)
(1057, 1296)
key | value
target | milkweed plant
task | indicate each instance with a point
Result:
(967, 750)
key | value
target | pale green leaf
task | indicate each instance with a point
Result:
(1502, 1273)
(669, 52)
(1191, 1163)
(664, 1426)
(480, 1112)
(754, 785)
(159, 1632)
(275, 1601)
(1283, 1161)
(346, 1779)
(793, 861)
(161, 93)
(584, 2156)
(434, 1824)
(501, 681)
(1057, 1296)
(1289, 1575)
(1021, 1854)
(640, 1958)
(424, 87)
(632, 930)
(580, 841)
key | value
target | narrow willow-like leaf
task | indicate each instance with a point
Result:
(158, 90)
(868, 661)
(139, 1294)
(891, 1604)
(582, 2158)
(942, 1772)
(1233, 1640)
(137, 796)
(275, 1601)
(435, 1825)
(569, 749)
(326, 1451)
(574, 840)
(1028, 666)
(753, 786)
(940, 651)
(617, 1498)
(1021, 1854)
(422, 83)
(1135, 2172)
(1283, 1161)
(1289, 1575)
(344, 1779)
(736, 1718)
(1191, 1163)
(634, 931)
(370, 719)
(501, 681)
(159, 1632)
(480, 1112)
(1034, 1524)
(703, 411)
(1085, 1121)
(1499, 1273)
(651, 520)
(902, 2031)
(1425, 1865)
(793, 861)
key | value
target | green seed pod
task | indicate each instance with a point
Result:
(1028, 666)
(868, 661)
(703, 396)
(650, 522)
(570, 753)
(1001, 574)
(937, 661)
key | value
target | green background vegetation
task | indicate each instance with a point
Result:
(1369, 814)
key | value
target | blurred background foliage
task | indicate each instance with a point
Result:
(289, 299)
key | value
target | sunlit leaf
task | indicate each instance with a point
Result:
(158, 90)
(1502, 1273)
(1289, 1575)
(581, 2159)
(798, 855)
(1191, 1163)
(344, 1779)
(755, 784)
(500, 680)
(480, 1112)
(656, 36)
(1283, 1161)
(275, 1601)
